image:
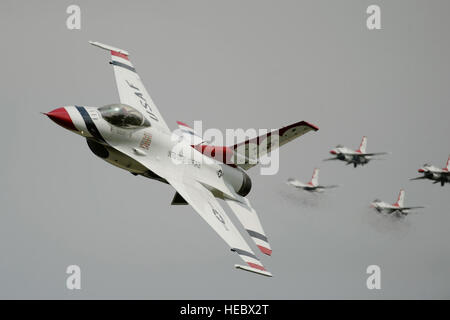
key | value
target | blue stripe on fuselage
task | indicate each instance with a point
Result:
(90, 125)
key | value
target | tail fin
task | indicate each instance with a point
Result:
(363, 145)
(448, 164)
(401, 199)
(315, 178)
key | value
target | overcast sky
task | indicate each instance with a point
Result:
(232, 64)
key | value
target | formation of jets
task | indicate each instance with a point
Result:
(133, 136)
(361, 157)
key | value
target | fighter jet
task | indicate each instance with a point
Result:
(133, 135)
(434, 173)
(398, 207)
(358, 157)
(311, 186)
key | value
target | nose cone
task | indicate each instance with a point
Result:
(333, 152)
(421, 170)
(62, 117)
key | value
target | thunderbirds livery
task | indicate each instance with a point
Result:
(398, 207)
(355, 157)
(437, 175)
(133, 135)
(312, 186)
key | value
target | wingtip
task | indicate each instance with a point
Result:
(254, 270)
(312, 126)
(108, 47)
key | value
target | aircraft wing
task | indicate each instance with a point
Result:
(252, 149)
(250, 221)
(295, 183)
(371, 154)
(206, 205)
(418, 178)
(131, 89)
(330, 186)
(410, 208)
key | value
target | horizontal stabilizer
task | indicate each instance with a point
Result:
(250, 269)
(189, 134)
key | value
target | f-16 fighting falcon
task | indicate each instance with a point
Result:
(355, 157)
(434, 173)
(133, 135)
(311, 186)
(398, 207)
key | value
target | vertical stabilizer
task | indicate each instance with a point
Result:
(315, 178)
(401, 199)
(363, 145)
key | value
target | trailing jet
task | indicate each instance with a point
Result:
(358, 157)
(311, 186)
(434, 173)
(398, 207)
(133, 135)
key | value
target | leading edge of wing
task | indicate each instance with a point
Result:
(372, 154)
(412, 208)
(207, 206)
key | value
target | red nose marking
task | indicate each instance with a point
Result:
(61, 117)
(333, 152)
(421, 170)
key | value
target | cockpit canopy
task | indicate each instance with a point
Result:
(123, 116)
(339, 146)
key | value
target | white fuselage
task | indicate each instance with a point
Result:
(306, 186)
(435, 174)
(350, 156)
(385, 207)
(123, 147)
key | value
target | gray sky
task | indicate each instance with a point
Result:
(232, 64)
